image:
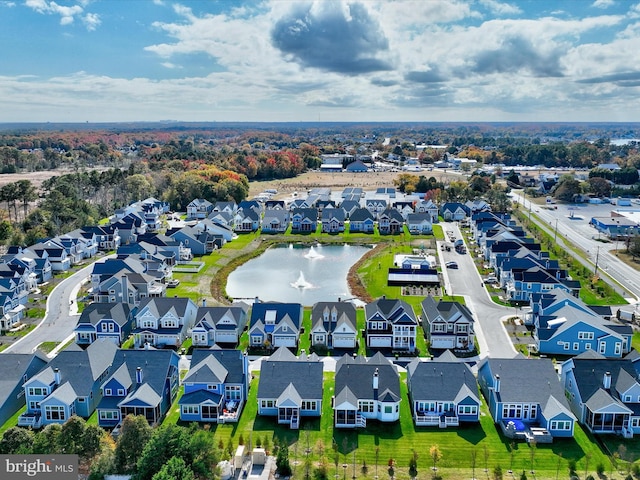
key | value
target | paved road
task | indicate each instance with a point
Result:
(571, 224)
(60, 318)
(466, 281)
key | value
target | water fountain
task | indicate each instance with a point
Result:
(301, 282)
(313, 254)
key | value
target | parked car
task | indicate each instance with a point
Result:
(173, 283)
(491, 279)
(453, 265)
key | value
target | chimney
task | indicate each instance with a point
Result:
(496, 384)
(375, 381)
(56, 376)
(606, 380)
(204, 302)
(139, 375)
(124, 285)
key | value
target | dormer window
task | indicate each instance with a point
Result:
(270, 317)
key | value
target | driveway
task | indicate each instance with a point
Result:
(60, 318)
(492, 336)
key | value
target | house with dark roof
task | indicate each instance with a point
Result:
(198, 209)
(419, 223)
(361, 220)
(69, 385)
(15, 370)
(304, 220)
(290, 387)
(443, 392)
(130, 226)
(162, 322)
(390, 323)
(349, 206)
(218, 325)
(526, 399)
(275, 221)
(365, 389)
(427, 206)
(111, 321)
(200, 242)
(332, 220)
(333, 325)
(375, 205)
(405, 207)
(390, 222)
(246, 220)
(54, 252)
(275, 324)
(357, 166)
(537, 280)
(216, 229)
(604, 393)
(215, 387)
(140, 382)
(447, 325)
(564, 325)
(453, 211)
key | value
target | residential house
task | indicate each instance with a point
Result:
(564, 325)
(404, 207)
(443, 392)
(55, 253)
(218, 325)
(537, 280)
(375, 205)
(390, 323)
(361, 221)
(199, 209)
(332, 220)
(111, 321)
(198, 241)
(162, 322)
(365, 390)
(246, 220)
(130, 226)
(140, 382)
(333, 325)
(290, 387)
(350, 206)
(69, 385)
(229, 207)
(447, 325)
(275, 325)
(216, 229)
(427, 206)
(304, 220)
(15, 370)
(390, 222)
(215, 387)
(419, 224)
(526, 399)
(357, 166)
(453, 211)
(604, 394)
(275, 221)
(107, 236)
(88, 241)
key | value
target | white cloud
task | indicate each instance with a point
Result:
(603, 3)
(500, 8)
(67, 14)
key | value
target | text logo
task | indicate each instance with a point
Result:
(45, 467)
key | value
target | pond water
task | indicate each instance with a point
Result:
(296, 274)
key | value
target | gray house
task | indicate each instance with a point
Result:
(15, 370)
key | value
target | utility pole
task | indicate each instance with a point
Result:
(555, 233)
(597, 256)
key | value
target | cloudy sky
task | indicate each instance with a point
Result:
(323, 60)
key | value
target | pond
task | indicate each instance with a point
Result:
(297, 274)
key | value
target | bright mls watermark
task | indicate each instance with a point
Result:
(45, 467)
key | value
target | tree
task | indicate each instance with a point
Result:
(165, 442)
(497, 472)
(16, 440)
(91, 442)
(72, 435)
(599, 186)
(567, 188)
(134, 435)
(175, 469)
(283, 467)
(436, 455)
(413, 465)
(46, 440)
(27, 193)
(203, 454)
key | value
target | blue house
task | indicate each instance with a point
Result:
(141, 382)
(275, 221)
(290, 387)
(454, 211)
(564, 325)
(275, 324)
(537, 280)
(69, 385)
(218, 325)
(526, 398)
(442, 393)
(361, 221)
(112, 321)
(603, 393)
(304, 220)
(15, 370)
(216, 386)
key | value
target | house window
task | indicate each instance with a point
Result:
(467, 409)
(233, 392)
(37, 391)
(587, 346)
(566, 345)
(121, 392)
(439, 327)
(256, 340)
(462, 328)
(267, 403)
(635, 422)
(560, 425)
(309, 405)
(618, 349)
(109, 415)
(602, 348)
(585, 335)
(576, 345)
(366, 406)
(627, 398)
(82, 399)
(388, 409)
(54, 412)
(191, 409)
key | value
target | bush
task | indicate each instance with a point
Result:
(600, 469)
(497, 472)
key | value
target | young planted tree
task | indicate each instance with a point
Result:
(436, 455)
(413, 465)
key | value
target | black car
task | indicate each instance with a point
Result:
(453, 265)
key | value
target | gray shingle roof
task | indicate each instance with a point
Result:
(356, 374)
(440, 380)
(276, 376)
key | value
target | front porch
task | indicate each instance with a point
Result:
(610, 422)
(434, 419)
(349, 419)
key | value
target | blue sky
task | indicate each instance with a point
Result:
(290, 60)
